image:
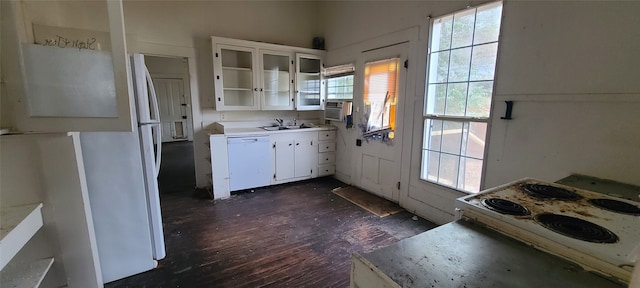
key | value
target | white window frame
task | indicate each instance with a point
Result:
(460, 119)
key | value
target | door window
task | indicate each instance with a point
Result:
(380, 94)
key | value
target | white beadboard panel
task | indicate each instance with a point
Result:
(432, 205)
(551, 140)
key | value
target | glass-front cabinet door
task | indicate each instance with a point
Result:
(277, 81)
(236, 83)
(309, 84)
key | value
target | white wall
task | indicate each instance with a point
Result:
(570, 66)
(572, 70)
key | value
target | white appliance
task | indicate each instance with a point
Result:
(121, 171)
(249, 162)
(337, 110)
(597, 231)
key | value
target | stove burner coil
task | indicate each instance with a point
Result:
(576, 228)
(616, 206)
(505, 206)
(541, 191)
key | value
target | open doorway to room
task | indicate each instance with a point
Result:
(171, 82)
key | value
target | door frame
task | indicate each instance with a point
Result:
(165, 50)
(396, 50)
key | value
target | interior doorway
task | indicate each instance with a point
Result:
(170, 77)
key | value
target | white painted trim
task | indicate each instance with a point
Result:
(592, 97)
(157, 49)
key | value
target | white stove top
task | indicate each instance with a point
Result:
(612, 252)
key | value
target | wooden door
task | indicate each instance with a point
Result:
(173, 109)
(377, 163)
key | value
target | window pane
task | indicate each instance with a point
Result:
(475, 137)
(340, 87)
(488, 23)
(479, 102)
(459, 70)
(456, 99)
(470, 174)
(463, 28)
(436, 96)
(432, 134)
(441, 38)
(451, 137)
(439, 67)
(448, 173)
(483, 63)
(430, 170)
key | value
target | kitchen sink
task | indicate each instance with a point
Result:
(276, 128)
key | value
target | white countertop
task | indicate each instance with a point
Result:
(234, 129)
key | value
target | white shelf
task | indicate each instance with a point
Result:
(25, 275)
(17, 225)
(238, 89)
(236, 68)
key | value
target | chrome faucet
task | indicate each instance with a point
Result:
(280, 122)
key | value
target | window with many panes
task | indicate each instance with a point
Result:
(339, 82)
(460, 74)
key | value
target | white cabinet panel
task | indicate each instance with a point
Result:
(309, 82)
(295, 156)
(284, 151)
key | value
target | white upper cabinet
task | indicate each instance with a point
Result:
(309, 82)
(261, 76)
(236, 77)
(66, 77)
(276, 91)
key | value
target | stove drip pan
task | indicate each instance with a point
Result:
(542, 191)
(576, 228)
(616, 206)
(505, 206)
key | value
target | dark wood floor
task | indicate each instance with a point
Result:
(293, 235)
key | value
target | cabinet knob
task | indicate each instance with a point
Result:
(255, 89)
(297, 144)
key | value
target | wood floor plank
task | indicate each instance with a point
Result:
(292, 235)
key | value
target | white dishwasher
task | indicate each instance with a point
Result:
(249, 162)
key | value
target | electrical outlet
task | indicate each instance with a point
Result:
(358, 142)
(221, 116)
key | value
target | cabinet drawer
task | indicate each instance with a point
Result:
(328, 157)
(326, 169)
(326, 146)
(327, 135)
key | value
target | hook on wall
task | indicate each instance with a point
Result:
(507, 113)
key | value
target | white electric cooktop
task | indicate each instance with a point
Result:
(600, 232)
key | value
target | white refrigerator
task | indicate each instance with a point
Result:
(121, 171)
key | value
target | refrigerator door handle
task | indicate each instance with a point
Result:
(156, 112)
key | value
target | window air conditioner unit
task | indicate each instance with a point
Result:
(337, 110)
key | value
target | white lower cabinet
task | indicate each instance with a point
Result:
(294, 156)
(326, 152)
